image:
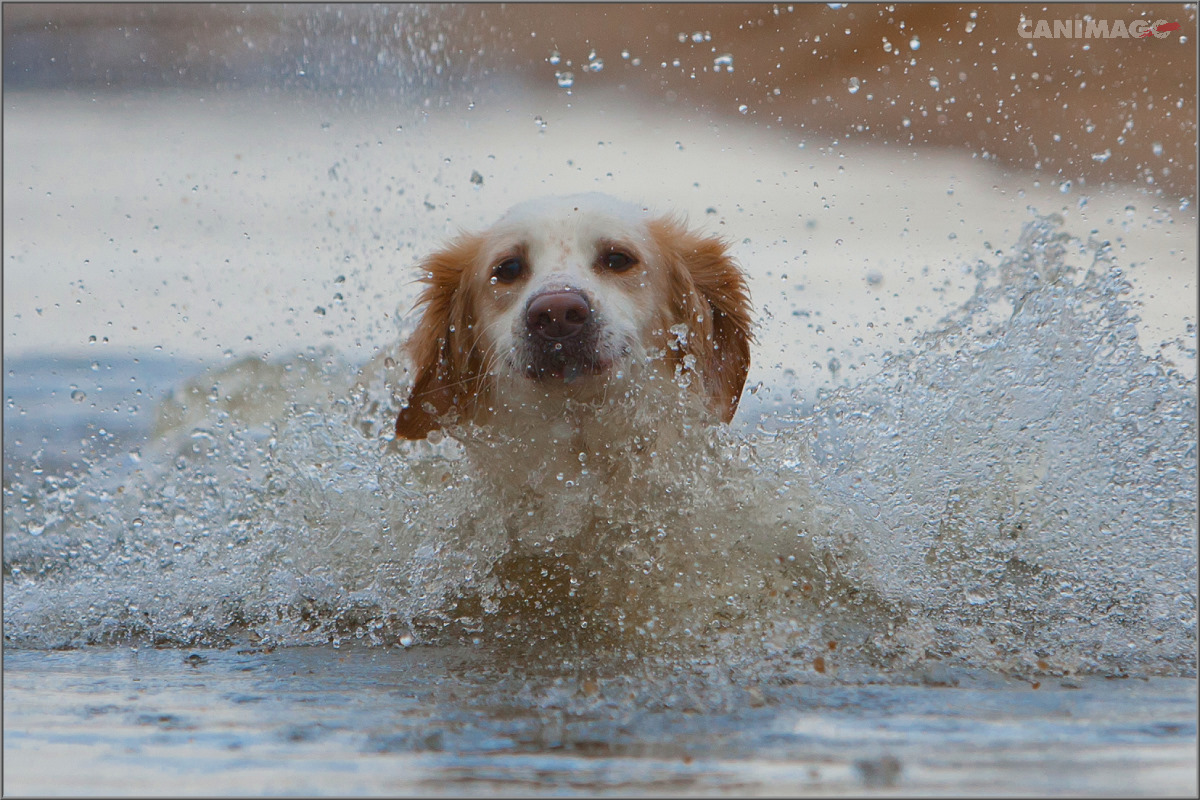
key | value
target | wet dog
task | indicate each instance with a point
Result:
(575, 303)
(578, 349)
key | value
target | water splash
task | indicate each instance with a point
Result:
(1015, 492)
(1030, 472)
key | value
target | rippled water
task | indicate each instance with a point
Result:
(443, 721)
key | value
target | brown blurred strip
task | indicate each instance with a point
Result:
(1090, 110)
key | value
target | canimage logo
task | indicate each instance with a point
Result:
(1095, 29)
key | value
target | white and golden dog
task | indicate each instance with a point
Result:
(574, 321)
(578, 349)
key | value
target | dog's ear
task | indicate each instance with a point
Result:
(711, 298)
(446, 368)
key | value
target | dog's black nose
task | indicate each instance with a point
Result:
(557, 315)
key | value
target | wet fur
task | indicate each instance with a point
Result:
(553, 456)
(697, 284)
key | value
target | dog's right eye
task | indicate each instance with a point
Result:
(508, 270)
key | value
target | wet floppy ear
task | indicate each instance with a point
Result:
(707, 277)
(446, 373)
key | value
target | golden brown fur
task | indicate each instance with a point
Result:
(682, 278)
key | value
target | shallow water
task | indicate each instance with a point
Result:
(887, 591)
(1015, 492)
(963, 562)
(443, 721)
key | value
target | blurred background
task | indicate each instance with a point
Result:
(187, 185)
(943, 75)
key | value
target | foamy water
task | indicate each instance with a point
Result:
(1016, 491)
(968, 441)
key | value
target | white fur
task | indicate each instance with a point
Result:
(643, 333)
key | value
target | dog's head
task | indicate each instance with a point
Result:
(568, 295)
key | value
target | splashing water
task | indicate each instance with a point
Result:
(1016, 491)
(1030, 475)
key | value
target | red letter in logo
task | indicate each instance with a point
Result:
(1162, 30)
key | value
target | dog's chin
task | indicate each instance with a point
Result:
(566, 371)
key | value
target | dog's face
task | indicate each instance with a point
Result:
(571, 297)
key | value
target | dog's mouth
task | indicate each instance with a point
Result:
(562, 337)
(563, 362)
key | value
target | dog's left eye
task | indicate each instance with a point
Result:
(508, 270)
(616, 261)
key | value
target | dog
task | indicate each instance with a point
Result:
(571, 349)
(571, 307)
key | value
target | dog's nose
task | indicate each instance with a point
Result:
(557, 315)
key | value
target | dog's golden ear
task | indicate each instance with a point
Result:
(447, 372)
(712, 299)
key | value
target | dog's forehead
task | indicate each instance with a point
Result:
(574, 220)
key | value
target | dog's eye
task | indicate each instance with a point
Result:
(508, 270)
(617, 261)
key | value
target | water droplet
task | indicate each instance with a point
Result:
(723, 60)
(1102, 157)
(935, 84)
(1065, 188)
(854, 86)
(977, 596)
(555, 57)
(914, 43)
(565, 79)
(1157, 148)
(743, 109)
(78, 396)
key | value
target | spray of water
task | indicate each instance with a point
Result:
(1017, 490)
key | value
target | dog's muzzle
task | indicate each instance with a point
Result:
(561, 334)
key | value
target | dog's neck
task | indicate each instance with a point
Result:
(542, 436)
